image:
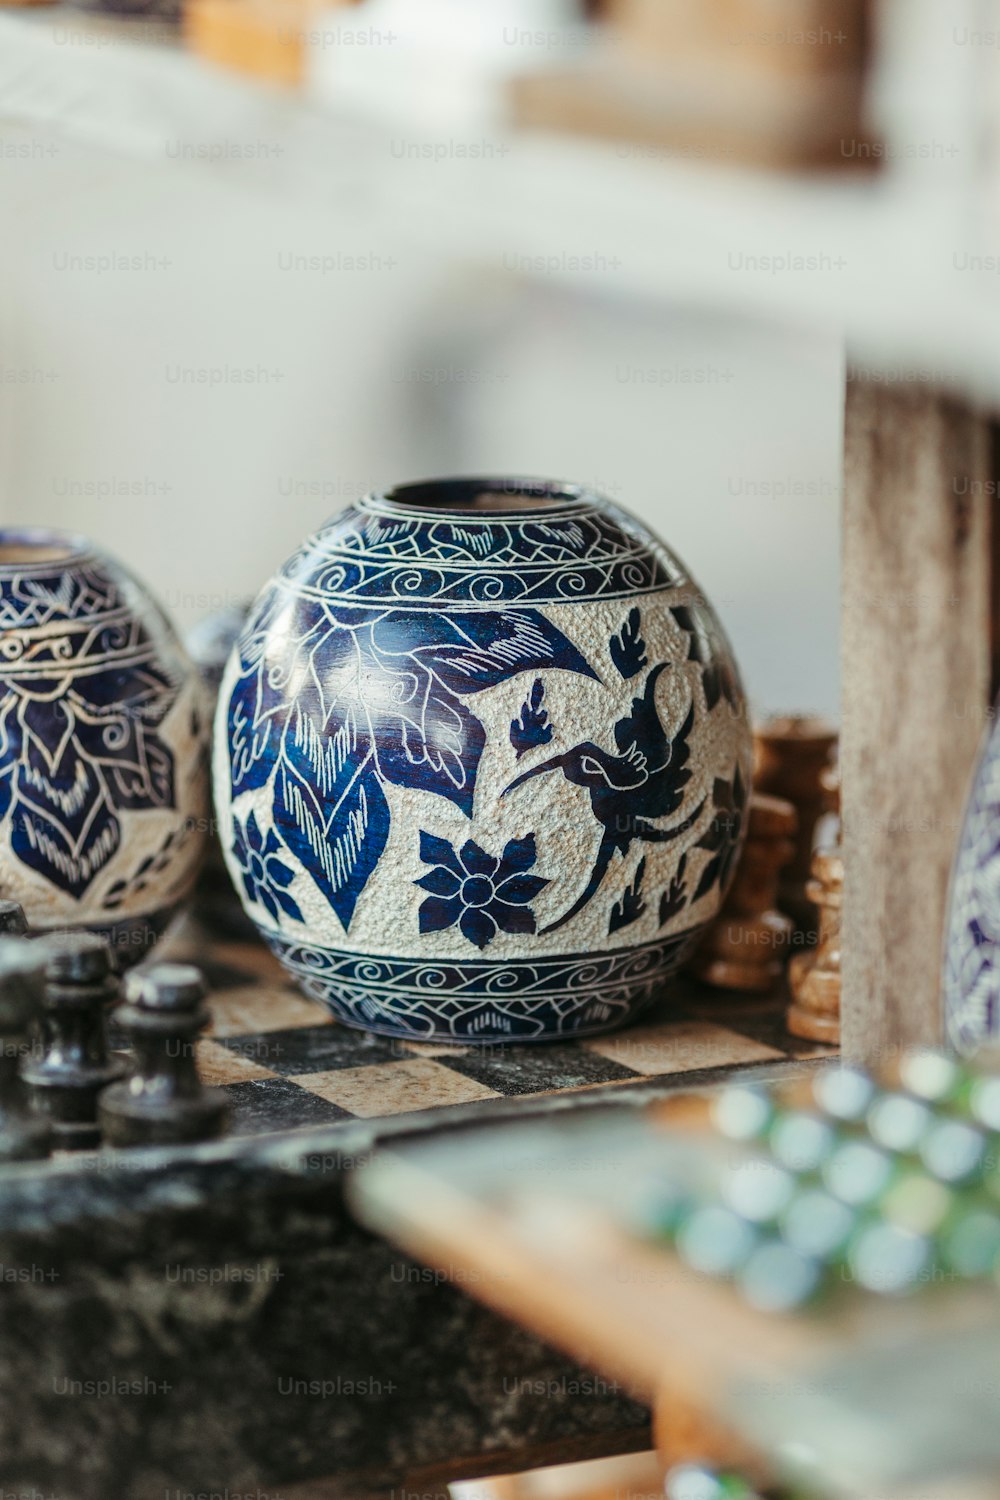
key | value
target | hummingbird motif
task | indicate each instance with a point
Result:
(643, 781)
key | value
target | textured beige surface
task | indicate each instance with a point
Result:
(265, 1007)
(219, 1065)
(396, 1088)
(680, 1047)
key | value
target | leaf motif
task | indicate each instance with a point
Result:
(64, 827)
(723, 684)
(259, 703)
(673, 898)
(426, 736)
(329, 806)
(709, 876)
(256, 717)
(628, 649)
(697, 645)
(532, 728)
(339, 845)
(712, 654)
(47, 727)
(711, 681)
(631, 906)
(477, 650)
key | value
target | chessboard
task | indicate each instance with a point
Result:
(286, 1064)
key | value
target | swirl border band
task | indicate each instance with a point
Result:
(469, 1000)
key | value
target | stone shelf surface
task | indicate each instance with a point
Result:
(252, 1333)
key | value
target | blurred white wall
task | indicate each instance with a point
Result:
(121, 415)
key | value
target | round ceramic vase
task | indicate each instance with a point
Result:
(482, 763)
(103, 770)
(972, 940)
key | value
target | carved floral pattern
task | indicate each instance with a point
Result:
(483, 894)
(83, 699)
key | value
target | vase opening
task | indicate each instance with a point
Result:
(31, 547)
(483, 496)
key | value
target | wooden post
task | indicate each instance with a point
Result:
(995, 566)
(915, 666)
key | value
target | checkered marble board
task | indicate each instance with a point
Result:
(286, 1064)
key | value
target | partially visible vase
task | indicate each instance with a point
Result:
(972, 935)
(209, 644)
(103, 772)
(482, 763)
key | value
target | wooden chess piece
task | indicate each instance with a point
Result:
(74, 1066)
(827, 831)
(790, 755)
(744, 949)
(814, 977)
(24, 1135)
(266, 38)
(164, 1102)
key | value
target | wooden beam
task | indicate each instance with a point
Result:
(915, 642)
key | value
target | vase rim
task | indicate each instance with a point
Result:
(483, 498)
(28, 547)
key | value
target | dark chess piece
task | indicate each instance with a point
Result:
(24, 1135)
(12, 919)
(74, 1066)
(745, 947)
(163, 1103)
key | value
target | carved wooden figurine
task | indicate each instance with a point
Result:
(745, 947)
(814, 977)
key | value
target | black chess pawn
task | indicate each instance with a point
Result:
(24, 1135)
(164, 1102)
(73, 1065)
(12, 919)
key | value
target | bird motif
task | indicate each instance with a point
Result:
(645, 780)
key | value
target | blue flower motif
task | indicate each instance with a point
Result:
(265, 878)
(480, 893)
(388, 703)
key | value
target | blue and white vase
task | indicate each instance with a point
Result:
(972, 937)
(209, 644)
(103, 765)
(482, 763)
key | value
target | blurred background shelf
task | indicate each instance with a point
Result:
(887, 260)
